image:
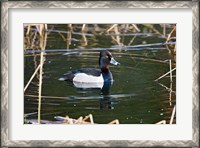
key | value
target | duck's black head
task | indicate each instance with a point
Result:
(105, 58)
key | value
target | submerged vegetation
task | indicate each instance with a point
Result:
(139, 42)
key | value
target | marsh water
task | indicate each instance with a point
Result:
(133, 98)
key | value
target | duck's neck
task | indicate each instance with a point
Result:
(104, 65)
(105, 69)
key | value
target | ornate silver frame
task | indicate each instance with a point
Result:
(5, 142)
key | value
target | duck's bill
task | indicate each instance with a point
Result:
(112, 61)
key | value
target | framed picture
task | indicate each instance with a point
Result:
(100, 74)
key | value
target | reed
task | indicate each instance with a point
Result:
(69, 37)
(89, 117)
(161, 122)
(136, 27)
(40, 87)
(165, 74)
(170, 94)
(112, 27)
(153, 29)
(33, 75)
(40, 28)
(85, 41)
(83, 28)
(43, 40)
(170, 68)
(170, 37)
(173, 114)
(167, 88)
(29, 114)
(116, 121)
(131, 41)
(164, 30)
(118, 38)
(28, 28)
(68, 120)
(33, 40)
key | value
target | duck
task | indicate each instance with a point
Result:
(93, 77)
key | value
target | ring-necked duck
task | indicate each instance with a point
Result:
(93, 77)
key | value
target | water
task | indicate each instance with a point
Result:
(134, 97)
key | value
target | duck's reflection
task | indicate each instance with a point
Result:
(107, 101)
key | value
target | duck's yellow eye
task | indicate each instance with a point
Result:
(106, 56)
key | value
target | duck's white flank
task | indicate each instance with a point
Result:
(84, 78)
(88, 85)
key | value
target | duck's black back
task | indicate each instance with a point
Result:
(89, 71)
